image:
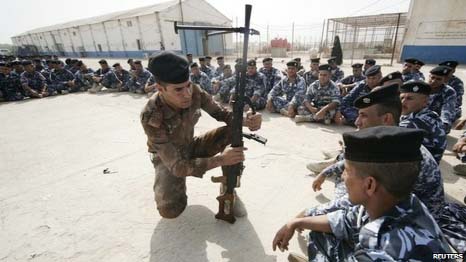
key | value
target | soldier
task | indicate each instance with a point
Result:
(74, 68)
(10, 84)
(255, 87)
(367, 64)
(83, 77)
(409, 69)
(208, 60)
(417, 69)
(121, 77)
(38, 65)
(337, 73)
(456, 84)
(151, 86)
(347, 83)
(388, 222)
(313, 74)
(204, 68)
(272, 75)
(415, 114)
(198, 77)
(443, 97)
(221, 63)
(189, 56)
(17, 67)
(139, 78)
(281, 99)
(223, 84)
(321, 100)
(131, 64)
(62, 79)
(34, 82)
(373, 76)
(168, 120)
(99, 76)
(300, 66)
(67, 64)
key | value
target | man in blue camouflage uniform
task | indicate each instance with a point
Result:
(208, 63)
(409, 70)
(272, 75)
(337, 73)
(443, 97)
(221, 64)
(255, 86)
(17, 67)
(223, 84)
(34, 82)
(83, 77)
(280, 98)
(67, 65)
(120, 77)
(368, 64)
(387, 222)
(417, 69)
(47, 70)
(100, 76)
(373, 76)
(38, 64)
(62, 79)
(300, 68)
(204, 68)
(349, 82)
(10, 84)
(313, 74)
(415, 114)
(320, 101)
(189, 57)
(198, 77)
(139, 78)
(456, 84)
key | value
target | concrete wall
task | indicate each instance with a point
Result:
(436, 31)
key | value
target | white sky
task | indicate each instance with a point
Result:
(19, 16)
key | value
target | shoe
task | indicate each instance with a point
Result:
(284, 112)
(331, 154)
(460, 169)
(294, 257)
(302, 118)
(318, 166)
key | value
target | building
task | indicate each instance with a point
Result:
(436, 31)
(133, 33)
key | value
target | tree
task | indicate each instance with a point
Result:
(337, 51)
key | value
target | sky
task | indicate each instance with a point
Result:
(307, 15)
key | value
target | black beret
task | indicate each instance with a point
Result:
(325, 67)
(357, 65)
(189, 54)
(332, 59)
(129, 60)
(292, 63)
(15, 63)
(315, 60)
(220, 57)
(208, 57)
(194, 65)
(377, 96)
(419, 87)
(252, 62)
(410, 60)
(267, 59)
(373, 70)
(26, 62)
(391, 76)
(169, 67)
(116, 64)
(102, 61)
(451, 64)
(419, 62)
(68, 60)
(441, 70)
(384, 144)
(370, 61)
(79, 63)
(138, 62)
(201, 59)
(74, 61)
(297, 59)
(2, 64)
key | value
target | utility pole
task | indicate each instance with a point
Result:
(268, 39)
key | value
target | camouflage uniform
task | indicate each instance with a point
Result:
(310, 78)
(46, 72)
(218, 71)
(413, 77)
(283, 92)
(176, 153)
(207, 70)
(435, 138)
(112, 80)
(59, 79)
(10, 87)
(84, 80)
(272, 77)
(255, 86)
(443, 103)
(226, 84)
(458, 86)
(347, 108)
(139, 82)
(407, 232)
(203, 80)
(337, 75)
(319, 96)
(36, 81)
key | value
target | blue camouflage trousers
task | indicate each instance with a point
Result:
(279, 103)
(350, 114)
(324, 247)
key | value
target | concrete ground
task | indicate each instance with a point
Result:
(56, 204)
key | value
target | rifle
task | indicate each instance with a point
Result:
(231, 174)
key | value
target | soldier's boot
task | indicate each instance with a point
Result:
(460, 169)
(318, 166)
(294, 257)
(239, 210)
(303, 118)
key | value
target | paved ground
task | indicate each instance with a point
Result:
(56, 204)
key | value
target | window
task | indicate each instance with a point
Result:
(138, 42)
(99, 47)
(129, 24)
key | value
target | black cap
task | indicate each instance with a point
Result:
(441, 70)
(384, 144)
(332, 59)
(169, 67)
(129, 60)
(194, 65)
(68, 61)
(325, 67)
(297, 59)
(378, 95)
(292, 63)
(373, 70)
(419, 87)
(189, 54)
(15, 63)
(208, 57)
(26, 62)
(201, 59)
(451, 63)
(414, 61)
(2, 64)
(357, 65)
(391, 76)
(370, 61)
(137, 62)
(116, 64)
(102, 61)
(267, 59)
(315, 60)
(220, 57)
(252, 62)
(74, 61)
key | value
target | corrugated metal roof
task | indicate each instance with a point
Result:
(107, 17)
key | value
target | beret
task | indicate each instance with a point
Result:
(169, 67)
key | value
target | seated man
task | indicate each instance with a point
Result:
(255, 86)
(457, 84)
(34, 82)
(139, 78)
(367, 64)
(442, 97)
(221, 64)
(62, 79)
(409, 70)
(83, 77)
(415, 114)
(272, 75)
(321, 100)
(10, 84)
(337, 73)
(99, 77)
(313, 74)
(119, 78)
(223, 84)
(204, 68)
(198, 77)
(373, 76)
(347, 83)
(388, 222)
(281, 97)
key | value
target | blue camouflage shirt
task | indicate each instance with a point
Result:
(203, 80)
(34, 80)
(443, 103)
(84, 78)
(310, 77)
(272, 77)
(255, 85)
(458, 86)
(288, 90)
(337, 75)
(321, 96)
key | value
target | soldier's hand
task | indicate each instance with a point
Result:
(318, 181)
(253, 121)
(282, 237)
(459, 146)
(269, 106)
(232, 155)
